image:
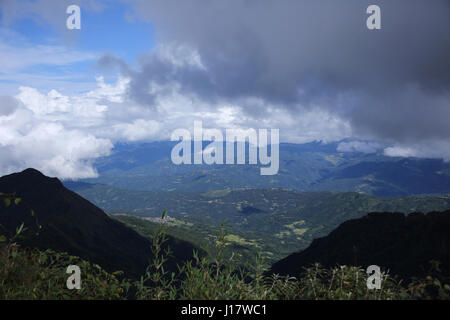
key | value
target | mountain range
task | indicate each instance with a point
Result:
(312, 166)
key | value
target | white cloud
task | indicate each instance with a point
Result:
(28, 141)
(138, 130)
(62, 134)
(359, 146)
(430, 149)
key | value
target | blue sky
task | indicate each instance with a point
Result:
(109, 30)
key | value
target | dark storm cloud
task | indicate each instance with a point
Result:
(391, 83)
(283, 43)
(408, 115)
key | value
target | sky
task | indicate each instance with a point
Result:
(139, 69)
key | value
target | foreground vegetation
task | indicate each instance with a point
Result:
(36, 274)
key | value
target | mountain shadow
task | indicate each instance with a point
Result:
(74, 225)
(402, 244)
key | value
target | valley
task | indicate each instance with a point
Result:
(274, 222)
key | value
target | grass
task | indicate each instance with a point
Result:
(35, 274)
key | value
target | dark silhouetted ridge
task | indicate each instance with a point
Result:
(402, 244)
(72, 224)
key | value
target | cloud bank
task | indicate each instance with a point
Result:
(391, 83)
(310, 68)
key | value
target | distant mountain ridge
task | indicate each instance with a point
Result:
(72, 224)
(402, 244)
(311, 166)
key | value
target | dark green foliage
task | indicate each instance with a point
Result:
(33, 274)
